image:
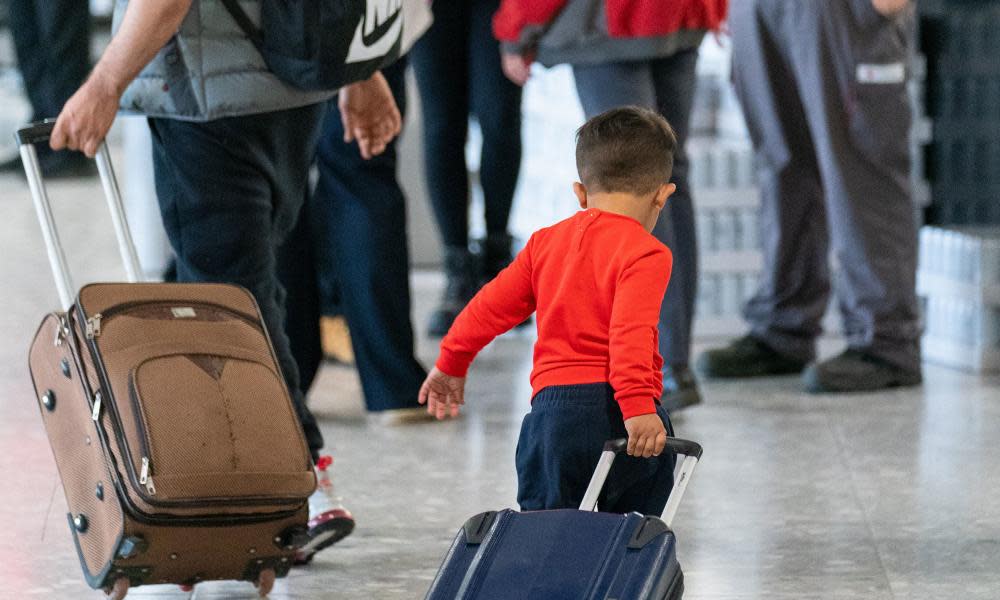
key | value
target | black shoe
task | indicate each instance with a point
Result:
(855, 370)
(462, 285)
(747, 357)
(496, 255)
(56, 165)
(680, 389)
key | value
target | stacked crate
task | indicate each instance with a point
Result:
(727, 213)
(726, 199)
(961, 45)
(959, 285)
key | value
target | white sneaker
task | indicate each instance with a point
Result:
(329, 521)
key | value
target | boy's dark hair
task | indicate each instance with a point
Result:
(627, 149)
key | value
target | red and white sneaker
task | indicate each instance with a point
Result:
(329, 521)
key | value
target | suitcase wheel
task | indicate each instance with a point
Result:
(118, 590)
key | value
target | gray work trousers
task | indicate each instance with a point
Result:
(823, 88)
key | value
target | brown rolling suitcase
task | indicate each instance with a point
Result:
(177, 443)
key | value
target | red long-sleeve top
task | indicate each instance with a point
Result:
(596, 281)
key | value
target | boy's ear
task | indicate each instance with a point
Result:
(581, 194)
(666, 190)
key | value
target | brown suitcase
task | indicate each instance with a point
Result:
(177, 443)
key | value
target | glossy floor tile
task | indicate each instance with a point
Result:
(877, 496)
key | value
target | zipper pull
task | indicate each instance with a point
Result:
(96, 413)
(93, 328)
(62, 330)
(145, 478)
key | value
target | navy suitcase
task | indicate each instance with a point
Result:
(569, 554)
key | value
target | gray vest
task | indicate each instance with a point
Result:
(208, 70)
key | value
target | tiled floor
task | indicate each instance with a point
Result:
(879, 496)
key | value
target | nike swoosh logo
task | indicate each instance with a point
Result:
(379, 42)
(371, 38)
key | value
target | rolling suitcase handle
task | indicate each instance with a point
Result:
(37, 133)
(690, 450)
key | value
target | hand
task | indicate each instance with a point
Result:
(87, 116)
(646, 435)
(516, 67)
(889, 8)
(442, 393)
(369, 114)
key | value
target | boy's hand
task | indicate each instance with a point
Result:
(442, 394)
(646, 435)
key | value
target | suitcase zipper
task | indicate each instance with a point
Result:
(127, 504)
(93, 328)
(145, 478)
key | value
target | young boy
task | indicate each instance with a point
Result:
(596, 281)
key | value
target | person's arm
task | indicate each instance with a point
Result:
(634, 372)
(518, 25)
(89, 113)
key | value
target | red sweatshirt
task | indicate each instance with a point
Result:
(596, 280)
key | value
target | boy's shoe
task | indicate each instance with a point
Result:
(747, 357)
(462, 284)
(335, 337)
(329, 521)
(855, 370)
(680, 389)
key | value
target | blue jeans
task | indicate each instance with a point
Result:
(350, 246)
(52, 39)
(229, 193)
(457, 63)
(563, 437)
(666, 85)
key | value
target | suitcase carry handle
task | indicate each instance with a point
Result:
(37, 133)
(612, 448)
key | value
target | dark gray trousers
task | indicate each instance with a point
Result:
(823, 88)
(667, 86)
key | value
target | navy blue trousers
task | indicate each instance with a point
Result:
(349, 249)
(561, 441)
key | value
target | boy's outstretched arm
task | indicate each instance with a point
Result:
(502, 303)
(635, 370)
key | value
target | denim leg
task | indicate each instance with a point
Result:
(229, 192)
(665, 85)
(297, 271)
(52, 41)
(496, 103)
(358, 230)
(441, 63)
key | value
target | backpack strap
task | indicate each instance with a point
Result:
(243, 20)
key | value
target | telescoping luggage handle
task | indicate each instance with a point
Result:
(37, 133)
(690, 450)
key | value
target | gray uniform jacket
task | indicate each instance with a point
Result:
(579, 36)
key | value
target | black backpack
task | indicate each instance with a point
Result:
(324, 44)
